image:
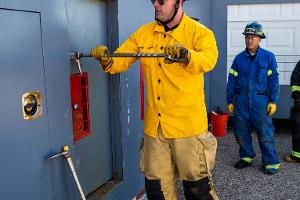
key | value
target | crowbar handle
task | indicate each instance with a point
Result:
(77, 55)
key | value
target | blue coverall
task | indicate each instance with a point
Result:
(252, 84)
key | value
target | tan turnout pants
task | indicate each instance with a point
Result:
(190, 158)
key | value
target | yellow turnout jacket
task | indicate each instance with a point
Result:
(175, 92)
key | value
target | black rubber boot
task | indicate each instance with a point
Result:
(295, 120)
(269, 170)
(242, 164)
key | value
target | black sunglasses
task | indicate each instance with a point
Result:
(161, 2)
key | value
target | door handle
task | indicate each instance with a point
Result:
(32, 105)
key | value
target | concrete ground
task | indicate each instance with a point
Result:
(251, 183)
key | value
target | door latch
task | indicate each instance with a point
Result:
(32, 105)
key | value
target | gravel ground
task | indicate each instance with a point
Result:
(251, 183)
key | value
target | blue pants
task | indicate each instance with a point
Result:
(263, 126)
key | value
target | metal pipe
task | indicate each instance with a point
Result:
(77, 55)
(71, 165)
(66, 154)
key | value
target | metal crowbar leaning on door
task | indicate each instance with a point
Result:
(66, 154)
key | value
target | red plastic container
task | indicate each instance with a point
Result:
(218, 124)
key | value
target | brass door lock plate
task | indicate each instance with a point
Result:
(32, 105)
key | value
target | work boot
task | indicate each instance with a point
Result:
(292, 159)
(271, 169)
(242, 164)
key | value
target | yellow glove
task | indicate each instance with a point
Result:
(177, 51)
(99, 53)
(230, 108)
(271, 109)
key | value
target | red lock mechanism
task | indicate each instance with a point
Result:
(80, 104)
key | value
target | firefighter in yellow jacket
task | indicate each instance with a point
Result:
(176, 142)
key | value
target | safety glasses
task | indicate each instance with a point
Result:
(160, 2)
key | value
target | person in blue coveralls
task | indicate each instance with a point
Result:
(252, 94)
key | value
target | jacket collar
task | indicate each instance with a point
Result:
(258, 50)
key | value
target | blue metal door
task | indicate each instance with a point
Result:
(24, 144)
(87, 27)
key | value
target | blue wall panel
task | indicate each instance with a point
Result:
(55, 45)
(24, 143)
(87, 28)
(53, 38)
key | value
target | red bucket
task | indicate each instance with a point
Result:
(218, 123)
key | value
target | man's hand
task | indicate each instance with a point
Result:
(271, 109)
(177, 51)
(230, 108)
(99, 53)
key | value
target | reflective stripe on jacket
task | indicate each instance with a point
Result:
(175, 92)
